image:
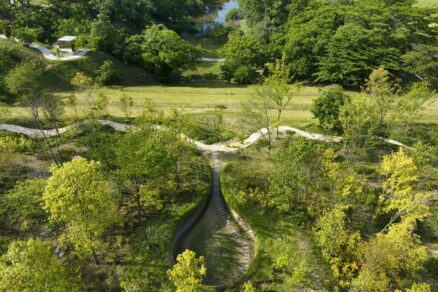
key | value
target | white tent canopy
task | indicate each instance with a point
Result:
(67, 38)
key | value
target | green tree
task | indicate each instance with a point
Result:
(382, 91)
(391, 260)
(327, 107)
(244, 55)
(188, 272)
(400, 197)
(23, 205)
(409, 107)
(78, 196)
(107, 73)
(31, 266)
(126, 103)
(422, 287)
(338, 245)
(5, 27)
(141, 158)
(278, 89)
(25, 81)
(423, 63)
(359, 120)
(26, 35)
(164, 52)
(295, 178)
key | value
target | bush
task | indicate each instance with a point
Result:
(326, 108)
(107, 73)
(10, 144)
(245, 75)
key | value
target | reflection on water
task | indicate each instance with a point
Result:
(216, 12)
(223, 11)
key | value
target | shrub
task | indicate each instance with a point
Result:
(245, 75)
(327, 107)
(107, 73)
(10, 144)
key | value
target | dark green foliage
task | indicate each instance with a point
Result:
(422, 62)
(343, 43)
(38, 20)
(326, 108)
(5, 27)
(107, 73)
(164, 52)
(294, 183)
(245, 74)
(21, 208)
(244, 55)
(9, 58)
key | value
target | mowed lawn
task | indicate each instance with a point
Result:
(200, 91)
(204, 96)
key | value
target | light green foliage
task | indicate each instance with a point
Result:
(359, 119)
(126, 103)
(278, 89)
(381, 90)
(23, 205)
(281, 263)
(326, 108)
(248, 287)
(344, 186)
(164, 52)
(78, 196)
(300, 274)
(31, 266)
(15, 144)
(422, 287)
(338, 245)
(25, 82)
(391, 259)
(400, 196)
(188, 272)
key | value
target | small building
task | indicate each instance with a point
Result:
(65, 44)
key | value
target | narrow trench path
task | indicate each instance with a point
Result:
(218, 237)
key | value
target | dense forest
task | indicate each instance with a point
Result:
(219, 145)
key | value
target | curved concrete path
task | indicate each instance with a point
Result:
(218, 147)
(219, 60)
(48, 54)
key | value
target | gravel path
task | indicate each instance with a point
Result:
(218, 147)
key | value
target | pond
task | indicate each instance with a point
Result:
(221, 12)
(215, 12)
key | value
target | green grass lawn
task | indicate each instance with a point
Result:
(196, 94)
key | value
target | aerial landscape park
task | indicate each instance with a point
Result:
(219, 145)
